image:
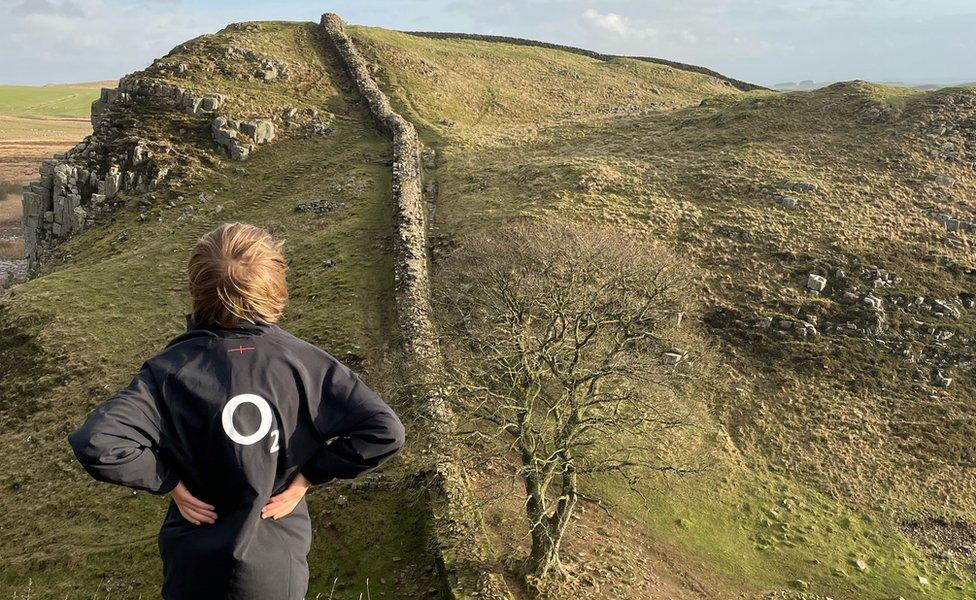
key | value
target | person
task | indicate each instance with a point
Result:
(235, 419)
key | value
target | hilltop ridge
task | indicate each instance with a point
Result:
(830, 233)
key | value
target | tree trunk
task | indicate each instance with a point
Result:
(548, 531)
(544, 557)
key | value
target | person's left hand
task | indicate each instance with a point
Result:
(285, 502)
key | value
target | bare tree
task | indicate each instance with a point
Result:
(568, 344)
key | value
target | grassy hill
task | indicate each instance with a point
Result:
(72, 335)
(830, 458)
(67, 101)
(842, 470)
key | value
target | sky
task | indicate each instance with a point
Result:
(761, 41)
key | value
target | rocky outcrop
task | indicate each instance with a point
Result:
(134, 87)
(947, 127)
(238, 138)
(76, 187)
(263, 67)
(458, 532)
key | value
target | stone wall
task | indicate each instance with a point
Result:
(76, 187)
(740, 85)
(458, 532)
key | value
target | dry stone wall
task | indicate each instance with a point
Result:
(458, 531)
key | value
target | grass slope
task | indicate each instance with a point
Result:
(820, 471)
(828, 445)
(69, 101)
(73, 335)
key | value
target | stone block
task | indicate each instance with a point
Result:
(816, 282)
(261, 131)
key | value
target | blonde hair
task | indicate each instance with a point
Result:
(237, 273)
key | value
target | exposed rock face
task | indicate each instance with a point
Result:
(239, 138)
(77, 186)
(87, 181)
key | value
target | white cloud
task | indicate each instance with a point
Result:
(76, 40)
(616, 24)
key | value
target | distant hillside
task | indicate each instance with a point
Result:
(830, 233)
(37, 121)
(59, 101)
(808, 84)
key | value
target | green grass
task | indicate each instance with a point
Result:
(116, 293)
(49, 101)
(832, 441)
(531, 133)
(761, 532)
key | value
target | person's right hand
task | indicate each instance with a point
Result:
(193, 510)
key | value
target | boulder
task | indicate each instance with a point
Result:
(944, 181)
(816, 282)
(113, 180)
(209, 103)
(872, 302)
(261, 131)
(672, 358)
(239, 151)
(787, 202)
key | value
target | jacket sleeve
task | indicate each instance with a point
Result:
(120, 440)
(359, 431)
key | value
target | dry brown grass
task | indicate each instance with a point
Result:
(10, 210)
(12, 249)
(831, 411)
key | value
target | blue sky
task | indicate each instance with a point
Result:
(763, 41)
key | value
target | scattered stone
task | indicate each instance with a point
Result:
(944, 181)
(800, 186)
(319, 206)
(673, 358)
(942, 309)
(261, 131)
(816, 282)
(800, 584)
(787, 202)
(872, 302)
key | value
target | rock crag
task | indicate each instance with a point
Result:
(77, 187)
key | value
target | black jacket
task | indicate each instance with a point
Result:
(235, 413)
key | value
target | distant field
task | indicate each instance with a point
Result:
(36, 122)
(57, 101)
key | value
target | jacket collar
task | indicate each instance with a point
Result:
(243, 328)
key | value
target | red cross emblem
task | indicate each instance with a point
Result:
(241, 349)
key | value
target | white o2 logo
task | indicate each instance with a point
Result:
(227, 418)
